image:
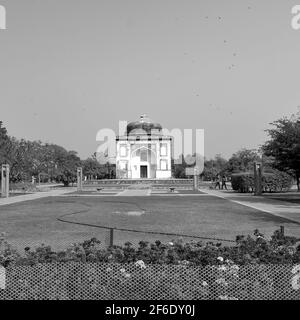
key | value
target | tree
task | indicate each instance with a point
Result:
(184, 166)
(284, 145)
(20, 160)
(66, 164)
(33, 158)
(213, 167)
(178, 168)
(243, 160)
(92, 168)
(26, 159)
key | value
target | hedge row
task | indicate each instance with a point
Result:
(271, 182)
(254, 249)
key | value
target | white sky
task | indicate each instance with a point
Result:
(71, 67)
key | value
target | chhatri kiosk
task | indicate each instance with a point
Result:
(143, 152)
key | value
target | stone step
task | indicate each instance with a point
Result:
(138, 181)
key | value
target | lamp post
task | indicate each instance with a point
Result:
(257, 178)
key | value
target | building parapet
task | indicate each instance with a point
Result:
(144, 137)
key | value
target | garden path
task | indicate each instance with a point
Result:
(281, 208)
(34, 196)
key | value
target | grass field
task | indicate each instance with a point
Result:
(35, 222)
(291, 197)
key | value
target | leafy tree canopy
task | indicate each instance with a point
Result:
(243, 160)
(284, 145)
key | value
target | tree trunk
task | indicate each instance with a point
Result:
(298, 182)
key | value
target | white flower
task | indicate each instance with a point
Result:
(222, 268)
(108, 269)
(227, 298)
(140, 263)
(220, 259)
(235, 267)
(222, 281)
(127, 275)
(122, 270)
(204, 283)
(171, 243)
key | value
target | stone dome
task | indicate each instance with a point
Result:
(142, 126)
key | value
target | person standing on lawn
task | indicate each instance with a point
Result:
(224, 183)
(218, 180)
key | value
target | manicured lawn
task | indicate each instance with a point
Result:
(35, 222)
(293, 197)
(15, 194)
(105, 192)
(190, 192)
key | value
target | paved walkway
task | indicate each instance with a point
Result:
(134, 193)
(34, 196)
(136, 190)
(48, 185)
(283, 209)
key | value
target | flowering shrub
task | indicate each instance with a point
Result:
(256, 249)
(139, 281)
(8, 255)
(175, 270)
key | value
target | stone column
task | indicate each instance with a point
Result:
(5, 181)
(79, 179)
(196, 179)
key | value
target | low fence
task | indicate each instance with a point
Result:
(108, 281)
(114, 237)
(118, 236)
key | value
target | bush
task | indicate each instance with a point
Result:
(279, 249)
(273, 181)
(277, 181)
(242, 182)
(23, 187)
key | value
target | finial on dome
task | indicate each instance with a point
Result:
(145, 124)
(143, 117)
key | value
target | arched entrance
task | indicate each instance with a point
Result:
(143, 162)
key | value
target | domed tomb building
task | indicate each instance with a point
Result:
(143, 152)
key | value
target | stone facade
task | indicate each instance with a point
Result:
(143, 152)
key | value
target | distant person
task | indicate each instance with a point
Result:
(218, 180)
(224, 186)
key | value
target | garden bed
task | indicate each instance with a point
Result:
(255, 268)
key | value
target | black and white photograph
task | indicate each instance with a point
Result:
(149, 153)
